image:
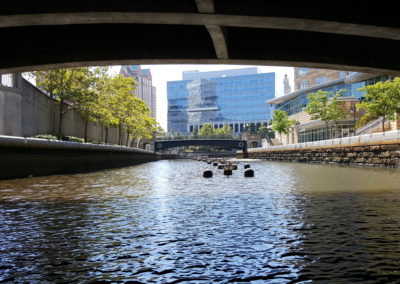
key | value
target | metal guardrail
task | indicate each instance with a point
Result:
(368, 127)
(199, 137)
(30, 143)
(351, 140)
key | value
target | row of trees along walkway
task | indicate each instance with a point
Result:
(98, 98)
(380, 100)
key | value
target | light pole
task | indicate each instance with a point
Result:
(354, 110)
(297, 126)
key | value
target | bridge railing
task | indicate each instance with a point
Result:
(199, 137)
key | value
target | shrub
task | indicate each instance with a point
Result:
(45, 136)
(366, 118)
(72, 139)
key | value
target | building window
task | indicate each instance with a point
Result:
(303, 85)
(320, 80)
(7, 80)
(303, 71)
(318, 134)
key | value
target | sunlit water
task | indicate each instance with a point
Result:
(161, 222)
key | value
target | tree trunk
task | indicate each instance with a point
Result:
(60, 120)
(127, 139)
(85, 132)
(383, 124)
(106, 138)
(328, 135)
(138, 141)
(101, 134)
(119, 134)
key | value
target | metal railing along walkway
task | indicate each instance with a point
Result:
(369, 127)
(199, 137)
(389, 136)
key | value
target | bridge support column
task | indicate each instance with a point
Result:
(245, 153)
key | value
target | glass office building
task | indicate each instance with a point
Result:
(297, 101)
(308, 130)
(233, 97)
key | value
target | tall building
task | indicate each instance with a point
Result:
(233, 97)
(309, 77)
(145, 89)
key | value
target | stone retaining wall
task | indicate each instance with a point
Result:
(384, 155)
(23, 157)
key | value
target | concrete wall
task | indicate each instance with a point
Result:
(379, 155)
(23, 157)
(10, 112)
(26, 111)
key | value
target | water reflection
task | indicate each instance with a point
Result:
(162, 222)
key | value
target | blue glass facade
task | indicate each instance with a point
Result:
(233, 100)
(297, 103)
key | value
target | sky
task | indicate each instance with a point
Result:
(163, 73)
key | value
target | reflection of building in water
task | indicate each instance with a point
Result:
(233, 97)
(202, 103)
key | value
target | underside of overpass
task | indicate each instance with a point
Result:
(345, 35)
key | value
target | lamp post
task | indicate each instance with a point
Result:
(297, 126)
(353, 111)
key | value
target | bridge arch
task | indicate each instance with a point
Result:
(256, 32)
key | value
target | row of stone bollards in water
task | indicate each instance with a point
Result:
(227, 168)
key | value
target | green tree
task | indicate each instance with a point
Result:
(365, 119)
(264, 130)
(105, 100)
(325, 107)
(207, 130)
(138, 121)
(99, 98)
(382, 99)
(91, 103)
(122, 102)
(226, 130)
(65, 86)
(281, 122)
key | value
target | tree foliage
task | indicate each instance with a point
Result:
(225, 130)
(99, 98)
(65, 86)
(365, 119)
(281, 122)
(325, 107)
(264, 130)
(208, 129)
(382, 99)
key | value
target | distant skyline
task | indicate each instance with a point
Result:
(163, 73)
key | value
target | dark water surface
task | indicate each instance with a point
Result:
(161, 222)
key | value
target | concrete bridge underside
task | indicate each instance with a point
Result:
(347, 35)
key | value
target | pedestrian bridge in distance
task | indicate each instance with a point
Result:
(163, 144)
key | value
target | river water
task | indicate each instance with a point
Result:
(161, 222)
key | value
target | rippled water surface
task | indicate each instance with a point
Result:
(161, 222)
